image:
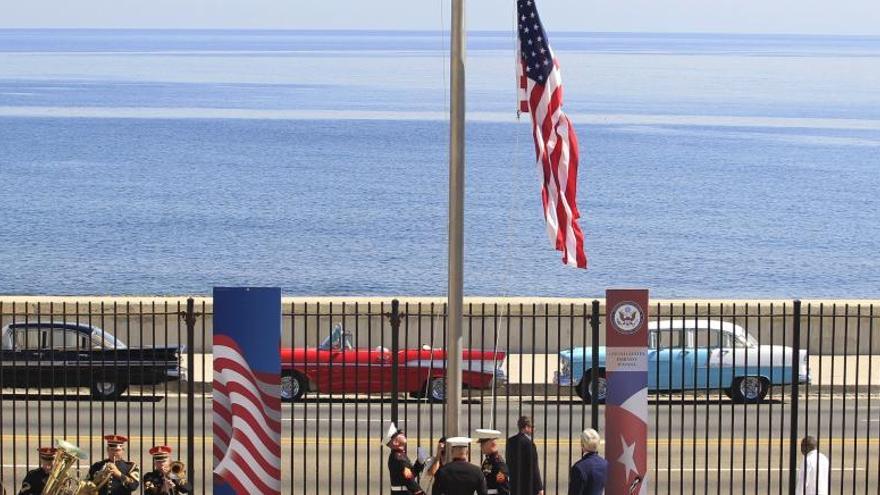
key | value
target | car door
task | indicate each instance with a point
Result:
(662, 362)
(29, 365)
(709, 349)
(69, 350)
(685, 359)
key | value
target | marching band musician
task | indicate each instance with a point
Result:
(159, 480)
(124, 476)
(404, 475)
(35, 480)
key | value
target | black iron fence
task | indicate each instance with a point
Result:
(731, 393)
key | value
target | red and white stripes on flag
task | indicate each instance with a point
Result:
(247, 423)
(556, 145)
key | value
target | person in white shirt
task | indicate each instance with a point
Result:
(813, 473)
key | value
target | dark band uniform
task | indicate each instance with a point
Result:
(129, 482)
(35, 480)
(496, 474)
(460, 477)
(154, 481)
(403, 474)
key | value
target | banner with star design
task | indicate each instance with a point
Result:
(626, 405)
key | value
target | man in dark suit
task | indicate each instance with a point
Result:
(522, 460)
(588, 475)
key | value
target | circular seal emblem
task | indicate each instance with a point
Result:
(626, 317)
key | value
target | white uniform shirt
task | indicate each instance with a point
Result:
(813, 475)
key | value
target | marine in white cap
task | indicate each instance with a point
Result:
(404, 475)
(459, 477)
(494, 468)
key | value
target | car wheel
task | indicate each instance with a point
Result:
(107, 390)
(748, 389)
(437, 389)
(584, 388)
(293, 387)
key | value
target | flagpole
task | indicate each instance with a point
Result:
(456, 222)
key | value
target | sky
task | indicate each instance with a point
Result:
(854, 17)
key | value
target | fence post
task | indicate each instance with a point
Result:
(594, 372)
(795, 399)
(395, 358)
(190, 319)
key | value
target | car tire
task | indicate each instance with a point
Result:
(293, 387)
(107, 390)
(436, 389)
(584, 387)
(748, 389)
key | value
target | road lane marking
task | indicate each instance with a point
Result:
(563, 442)
(707, 469)
(335, 420)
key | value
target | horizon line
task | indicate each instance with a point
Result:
(436, 31)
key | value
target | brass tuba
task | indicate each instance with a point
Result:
(60, 481)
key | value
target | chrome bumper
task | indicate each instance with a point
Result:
(177, 374)
(560, 379)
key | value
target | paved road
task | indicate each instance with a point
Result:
(333, 446)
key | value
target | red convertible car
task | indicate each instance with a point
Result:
(336, 366)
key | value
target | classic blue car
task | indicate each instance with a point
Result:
(696, 355)
(63, 354)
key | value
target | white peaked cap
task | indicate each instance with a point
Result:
(483, 434)
(392, 430)
(458, 441)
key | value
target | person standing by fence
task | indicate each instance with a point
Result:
(35, 480)
(494, 469)
(404, 475)
(522, 460)
(588, 475)
(460, 477)
(813, 473)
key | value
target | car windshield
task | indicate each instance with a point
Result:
(103, 340)
(337, 340)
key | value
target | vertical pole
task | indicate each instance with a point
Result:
(793, 426)
(190, 319)
(456, 220)
(594, 371)
(395, 359)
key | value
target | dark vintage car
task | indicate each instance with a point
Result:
(62, 354)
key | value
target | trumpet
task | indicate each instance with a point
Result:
(178, 472)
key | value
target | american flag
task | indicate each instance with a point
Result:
(247, 422)
(556, 146)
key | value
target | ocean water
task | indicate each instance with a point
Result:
(168, 162)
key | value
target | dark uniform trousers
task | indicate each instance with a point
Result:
(128, 483)
(33, 483)
(460, 477)
(154, 483)
(403, 474)
(496, 474)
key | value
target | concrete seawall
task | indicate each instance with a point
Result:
(520, 324)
